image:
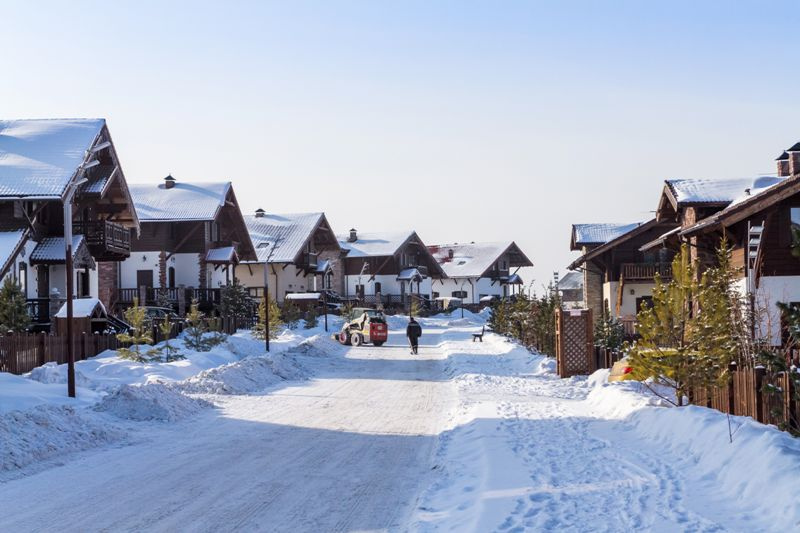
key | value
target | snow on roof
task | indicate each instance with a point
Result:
(183, 201)
(290, 232)
(375, 244)
(82, 308)
(9, 242)
(718, 191)
(323, 266)
(469, 259)
(303, 296)
(601, 233)
(52, 249)
(409, 274)
(571, 281)
(226, 254)
(39, 157)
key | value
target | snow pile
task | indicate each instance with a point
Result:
(18, 393)
(36, 435)
(154, 401)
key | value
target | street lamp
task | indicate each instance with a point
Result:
(70, 193)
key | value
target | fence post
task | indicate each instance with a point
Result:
(758, 375)
(41, 343)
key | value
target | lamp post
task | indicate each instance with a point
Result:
(70, 193)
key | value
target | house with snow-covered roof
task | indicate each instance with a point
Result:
(300, 252)
(570, 288)
(192, 237)
(617, 276)
(479, 271)
(388, 268)
(43, 164)
(762, 228)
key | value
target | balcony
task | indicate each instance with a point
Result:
(310, 260)
(645, 271)
(107, 241)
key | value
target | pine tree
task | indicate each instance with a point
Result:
(413, 308)
(685, 336)
(275, 323)
(170, 352)
(290, 314)
(235, 302)
(162, 299)
(139, 334)
(311, 318)
(609, 333)
(13, 312)
(196, 330)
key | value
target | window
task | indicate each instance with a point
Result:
(459, 294)
(360, 291)
(377, 287)
(794, 216)
(22, 278)
(435, 295)
(171, 277)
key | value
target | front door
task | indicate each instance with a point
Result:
(43, 281)
(144, 278)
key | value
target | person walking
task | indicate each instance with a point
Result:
(414, 332)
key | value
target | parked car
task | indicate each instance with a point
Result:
(621, 371)
(160, 312)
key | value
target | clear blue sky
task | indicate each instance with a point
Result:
(464, 120)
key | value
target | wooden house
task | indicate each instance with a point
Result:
(570, 289)
(43, 164)
(617, 275)
(476, 271)
(388, 268)
(761, 228)
(192, 237)
(299, 251)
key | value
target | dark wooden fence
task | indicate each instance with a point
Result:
(606, 357)
(751, 392)
(22, 352)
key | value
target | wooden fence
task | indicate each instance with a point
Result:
(748, 394)
(22, 352)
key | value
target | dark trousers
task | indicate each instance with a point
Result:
(414, 344)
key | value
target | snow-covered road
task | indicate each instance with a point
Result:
(464, 437)
(346, 451)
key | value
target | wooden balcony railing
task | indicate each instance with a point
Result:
(645, 271)
(105, 239)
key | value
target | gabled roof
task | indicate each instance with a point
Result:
(38, 158)
(625, 237)
(679, 193)
(385, 244)
(285, 236)
(474, 260)
(51, 251)
(596, 234)
(571, 281)
(746, 207)
(377, 244)
(183, 202)
(10, 244)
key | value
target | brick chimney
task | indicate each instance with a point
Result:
(783, 164)
(169, 182)
(794, 159)
(450, 254)
(260, 213)
(353, 235)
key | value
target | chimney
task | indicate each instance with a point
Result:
(450, 254)
(353, 235)
(260, 213)
(794, 160)
(169, 182)
(783, 164)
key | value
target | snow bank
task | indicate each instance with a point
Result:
(18, 393)
(153, 401)
(758, 470)
(30, 436)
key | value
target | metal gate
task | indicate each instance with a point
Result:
(574, 342)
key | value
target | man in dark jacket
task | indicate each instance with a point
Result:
(414, 332)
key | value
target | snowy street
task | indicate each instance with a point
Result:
(464, 437)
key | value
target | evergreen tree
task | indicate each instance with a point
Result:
(683, 341)
(413, 308)
(290, 314)
(194, 334)
(235, 302)
(347, 311)
(609, 333)
(170, 352)
(311, 318)
(13, 312)
(162, 299)
(139, 334)
(275, 323)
